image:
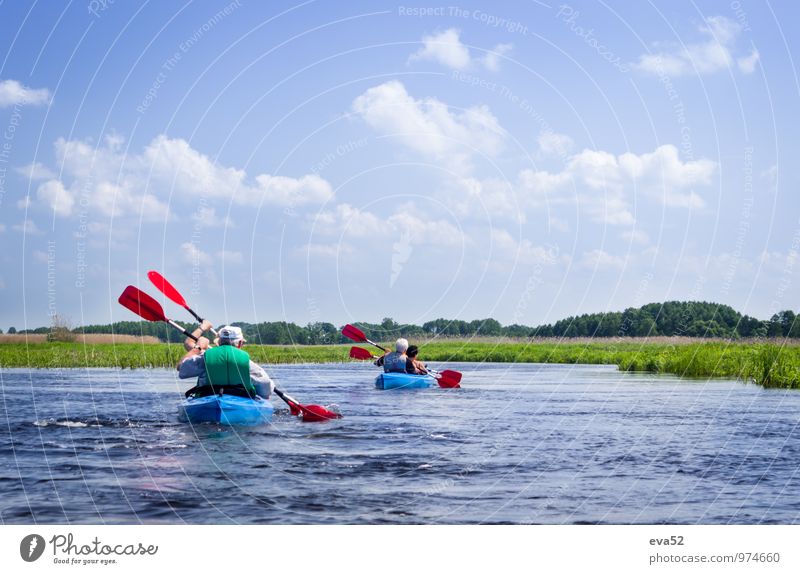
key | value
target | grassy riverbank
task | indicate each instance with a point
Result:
(766, 363)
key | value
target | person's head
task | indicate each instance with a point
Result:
(401, 345)
(412, 351)
(230, 335)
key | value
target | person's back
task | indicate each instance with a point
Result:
(227, 366)
(396, 361)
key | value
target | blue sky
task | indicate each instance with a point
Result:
(344, 161)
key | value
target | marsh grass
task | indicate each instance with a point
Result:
(770, 364)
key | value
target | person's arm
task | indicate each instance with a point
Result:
(192, 365)
(259, 375)
(189, 344)
(420, 367)
(379, 362)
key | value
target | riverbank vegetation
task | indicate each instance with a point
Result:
(671, 319)
(771, 364)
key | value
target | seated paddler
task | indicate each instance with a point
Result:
(224, 369)
(397, 360)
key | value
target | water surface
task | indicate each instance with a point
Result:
(518, 444)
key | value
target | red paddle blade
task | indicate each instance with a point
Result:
(452, 375)
(360, 354)
(142, 304)
(354, 334)
(294, 409)
(317, 413)
(449, 379)
(166, 287)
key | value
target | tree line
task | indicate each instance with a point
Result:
(674, 318)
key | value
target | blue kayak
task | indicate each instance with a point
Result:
(387, 381)
(226, 410)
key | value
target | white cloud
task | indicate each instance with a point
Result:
(600, 183)
(27, 227)
(112, 182)
(207, 217)
(13, 93)
(24, 203)
(747, 64)
(551, 143)
(492, 58)
(447, 49)
(602, 260)
(706, 57)
(36, 171)
(428, 126)
(193, 255)
(350, 222)
(59, 199)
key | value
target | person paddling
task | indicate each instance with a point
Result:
(397, 360)
(414, 366)
(225, 368)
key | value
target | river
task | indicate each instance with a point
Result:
(519, 444)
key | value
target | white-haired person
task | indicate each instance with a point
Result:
(225, 368)
(395, 361)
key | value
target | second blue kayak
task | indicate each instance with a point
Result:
(387, 381)
(226, 410)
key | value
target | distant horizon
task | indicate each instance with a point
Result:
(135, 319)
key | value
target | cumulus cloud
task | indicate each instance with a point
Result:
(447, 49)
(36, 171)
(193, 255)
(599, 183)
(13, 93)
(713, 54)
(53, 193)
(491, 60)
(747, 64)
(428, 126)
(603, 182)
(168, 170)
(351, 222)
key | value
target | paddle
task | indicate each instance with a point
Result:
(447, 379)
(169, 290)
(357, 335)
(149, 309)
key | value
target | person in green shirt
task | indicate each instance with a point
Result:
(226, 367)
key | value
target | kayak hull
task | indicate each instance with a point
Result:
(226, 410)
(389, 381)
